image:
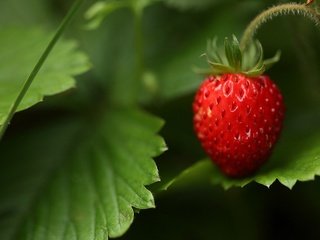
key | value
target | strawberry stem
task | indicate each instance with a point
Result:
(279, 10)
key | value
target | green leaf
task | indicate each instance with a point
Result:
(253, 57)
(100, 10)
(196, 174)
(233, 52)
(79, 180)
(270, 61)
(255, 72)
(212, 52)
(20, 48)
(220, 68)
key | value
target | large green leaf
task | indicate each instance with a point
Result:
(20, 48)
(79, 180)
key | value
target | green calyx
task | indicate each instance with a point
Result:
(248, 61)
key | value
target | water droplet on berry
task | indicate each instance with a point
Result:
(242, 93)
(237, 137)
(255, 92)
(227, 88)
(248, 131)
(260, 109)
(233, 106)
(264, 82)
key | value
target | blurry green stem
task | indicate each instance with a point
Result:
(39, 64)
(138, 42)
(279, 10)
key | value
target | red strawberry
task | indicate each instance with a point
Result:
(238, 120)
(238, 112)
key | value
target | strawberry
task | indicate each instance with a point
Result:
(238, 115)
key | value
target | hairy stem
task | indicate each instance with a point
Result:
(279, 10)
(39, 64)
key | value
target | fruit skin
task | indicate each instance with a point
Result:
(238, 120)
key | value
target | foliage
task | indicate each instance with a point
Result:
(248, 61)
(55, 77)
(78, 165)
(89, 176)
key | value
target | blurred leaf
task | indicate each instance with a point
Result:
(190, 4)
(20, 48)
(79, 180)
(100, 10)
(112, 50)
(17, 12)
